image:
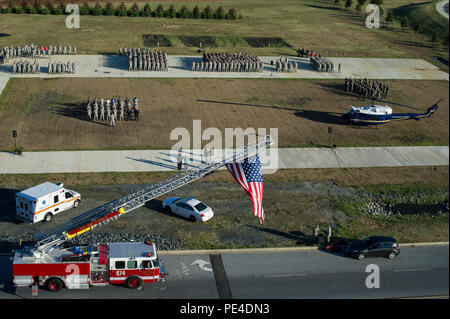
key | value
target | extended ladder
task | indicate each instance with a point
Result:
(114, 209)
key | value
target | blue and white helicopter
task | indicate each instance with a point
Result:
(381, 114)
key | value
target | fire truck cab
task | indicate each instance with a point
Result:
(128, 263)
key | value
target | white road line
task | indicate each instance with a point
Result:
(286, 275)
(420, 269)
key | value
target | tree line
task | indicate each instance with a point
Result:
(389, 19)
(108, 9)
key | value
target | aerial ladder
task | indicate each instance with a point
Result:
(113, 210)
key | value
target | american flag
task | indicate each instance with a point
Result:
(248, 174)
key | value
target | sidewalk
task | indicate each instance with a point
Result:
(163, 160)
(442, 8)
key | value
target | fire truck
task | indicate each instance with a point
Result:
(128, 263)
(48, 264)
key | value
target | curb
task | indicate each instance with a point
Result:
(271, 250)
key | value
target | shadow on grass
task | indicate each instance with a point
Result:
(8, 205)
(300, 237)
(321, 117)
(415, 44)
(156, 205)
(248, 104)
(76, 111)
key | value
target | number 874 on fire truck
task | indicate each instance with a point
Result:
(128, 263)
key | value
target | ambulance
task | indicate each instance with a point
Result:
(43, 201)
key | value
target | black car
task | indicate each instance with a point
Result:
(376, 246)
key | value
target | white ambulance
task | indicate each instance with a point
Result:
(43, 201)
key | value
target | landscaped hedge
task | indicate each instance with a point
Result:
(39, 7)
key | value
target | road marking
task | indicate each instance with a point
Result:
(419, 269)
(223, 288)
(202, 264)
(285, 275)
(426, 297)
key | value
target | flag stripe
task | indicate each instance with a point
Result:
(248, 174)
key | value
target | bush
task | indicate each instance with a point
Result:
(44, 10)
(208, 13)
(435, 37)
(109, 9)
(220, 13)
(17, 10)
(196, 12)
(121, 10)
(48, 7)
(147, 11)
(184, 12)
(31, 10)
(58, 10)
(348, 3)
(159, 11)
(404, 22)
(171, 12)
(6, 9)
(232, 13)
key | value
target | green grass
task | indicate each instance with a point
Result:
(303, 23)
(424, 14)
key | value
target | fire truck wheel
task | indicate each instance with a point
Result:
(53, 284)
(133, 282)
(48, 217)
(76, 203)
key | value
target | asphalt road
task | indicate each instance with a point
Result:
(417, 272)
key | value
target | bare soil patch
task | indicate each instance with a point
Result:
(260, 42)
(154, 40)
(197, 41)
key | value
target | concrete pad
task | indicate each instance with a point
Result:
(180, 67)
(4, 78)
(163, 160)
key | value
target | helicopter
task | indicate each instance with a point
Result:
(381, 114)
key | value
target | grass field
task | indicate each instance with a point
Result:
(312, 24)
(425, 14)
(375, 179)
(50, 114)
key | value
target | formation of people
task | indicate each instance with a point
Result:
(305, 53)
(228, 62)
(367, 88)
(26, 67)
(110, 111)
(145, 59)
(33, 51)
(284, 65)
(321, 64)
(55, 67)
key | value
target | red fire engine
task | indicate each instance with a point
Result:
(129, 263)
(47, 264)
